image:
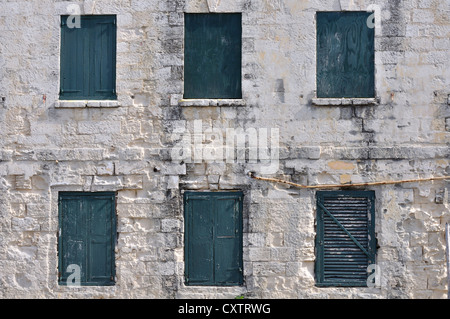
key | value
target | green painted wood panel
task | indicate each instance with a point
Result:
(213, 58)
(227, 241)
(88, 59)
(213, 238)
(345, 55)
(200, 248)
(345, 241)
(87, 224)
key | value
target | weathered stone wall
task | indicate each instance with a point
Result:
(47, 147)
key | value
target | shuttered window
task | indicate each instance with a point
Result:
(213, 238)
(87, 227)
(88, 58)
(212, 61)
(345, 240)
(345, 55)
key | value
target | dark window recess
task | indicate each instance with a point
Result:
(345, 55)
(87, 228)
(345, 240)
(88, 59)
(213, 238)
(212, 61)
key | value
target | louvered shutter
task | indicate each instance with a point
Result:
(345, 240)
(213, 238)
(87, 236)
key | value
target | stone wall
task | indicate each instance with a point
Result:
(128, 147)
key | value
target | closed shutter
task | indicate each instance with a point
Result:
(345, 55)
(227, 248)
(74, 61)
(88, 58)
(87, 236)
(104, 58)
(345, 238)
(212, 61)
(199, 239)
(213, 238)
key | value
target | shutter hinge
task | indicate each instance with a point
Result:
(59, 275)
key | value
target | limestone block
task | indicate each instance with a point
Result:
(111, 181)
(173, 169)
(25, 224)
(22, 182)
(256, 254)
(98, 127)
(173, 182)
(38, 210)
(170, 225)
(131, 154)
(134, 210)
(271, 268)
(105, 169)
(133, 182)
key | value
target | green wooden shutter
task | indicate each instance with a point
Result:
(74, 61)
(345, 55)
(72, 243)
(88, 58)
(213, 238)
(227, 240)
(212, 61)
(87, 236)
(104, 58)
(345, 240)
(199, 248)
(100, 249)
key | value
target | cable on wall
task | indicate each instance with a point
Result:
(275, 180)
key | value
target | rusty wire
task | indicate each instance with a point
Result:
(275, 180)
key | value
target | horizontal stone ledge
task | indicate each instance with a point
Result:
(86, 103)
(409, 152)
(344, 101)
(385, 152)
(211, 102)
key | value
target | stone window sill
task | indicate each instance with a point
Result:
(211, 102)
(86, 103)
(344, 101)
